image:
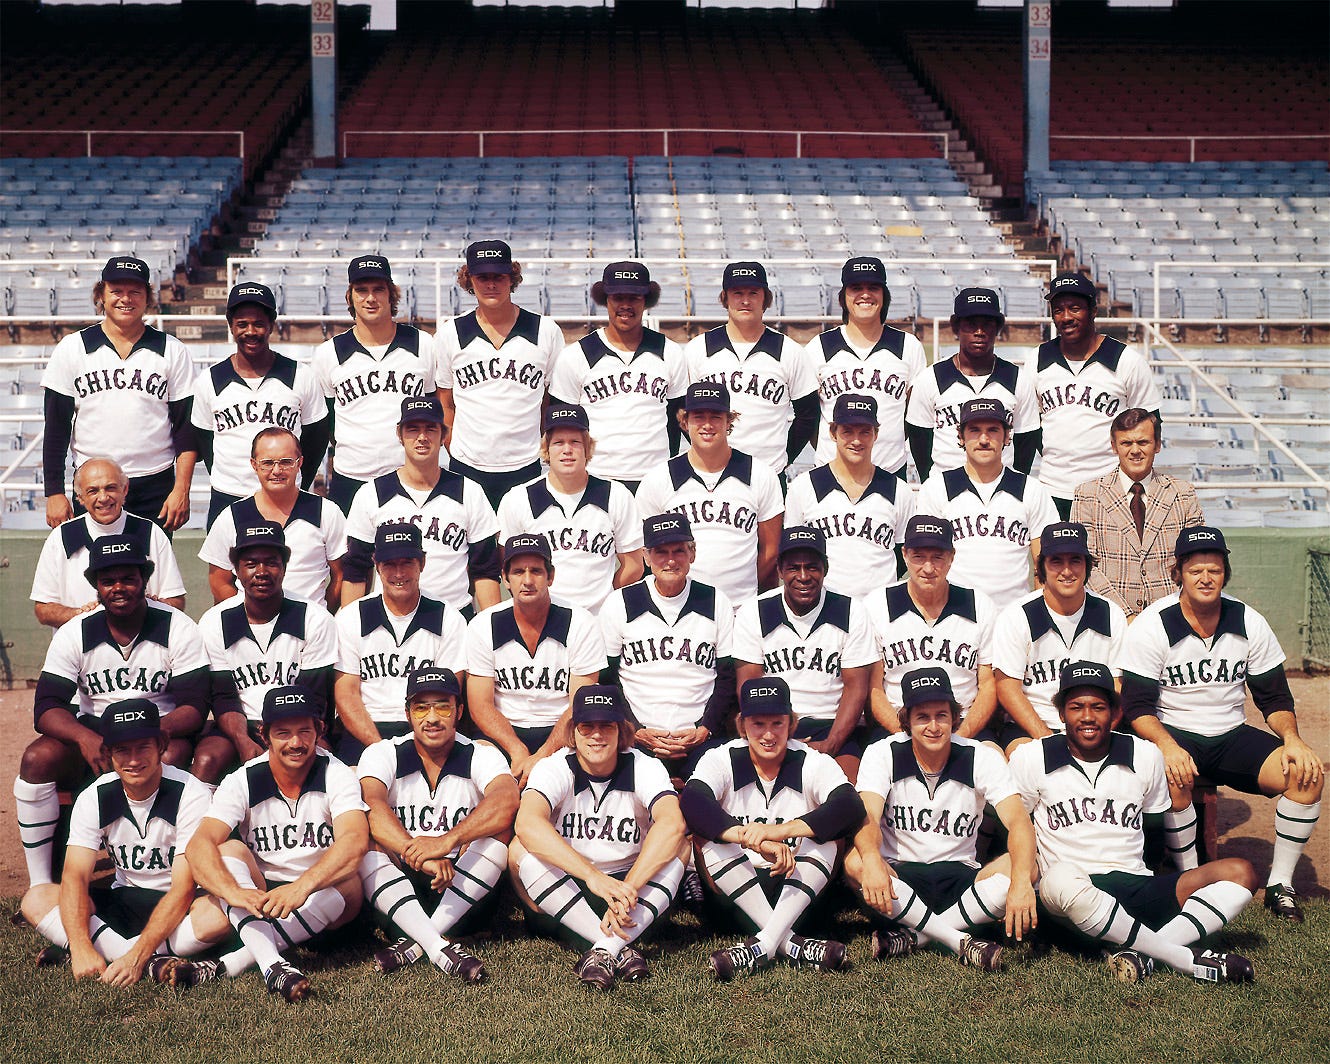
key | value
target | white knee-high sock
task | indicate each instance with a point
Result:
(1180, 837)
(812, 870)
(52, 929)
(391, 893)
(909, 910)
(475, 875)
(557, 894)
(38, 808)
(985, 902)
(107, 941)
(260, 936)
(653, 902)
(732, 871)
(1293, 827)
(1206, 911)
(184, 941)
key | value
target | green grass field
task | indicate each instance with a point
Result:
(1047, 1005)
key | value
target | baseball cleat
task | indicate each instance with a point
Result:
(1283, 902)
(455, 960)
(1211, 966)
(596, 969)
(19, 920)
(819, 954)
(893, 942)
(1129, 966)
(188, 974)
(981, 954)
(748, 958)
(691, 894)
(161, 965)
(286, 979)
(398, 955)
(52, 956)
(631, 966)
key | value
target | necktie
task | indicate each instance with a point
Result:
(1138, 509)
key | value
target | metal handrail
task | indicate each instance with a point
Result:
(88, 134)
(1192, 140)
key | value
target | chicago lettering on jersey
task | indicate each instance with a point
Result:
(141, 858)
(628, 382)
(717, 512)
(740, 382)
(1078, 395)
(265, 674)
(988, 526)
(530, 678)
(426, 820)
(496, 369)
(377, 666)
(120, 379)
(581, 541)
(1205, 671)
(612, 829)
(256, 413)
(125, 678)
(855, 526)
(1089, 810)
(863, 379)
(669, 648)
(802, 659)
(931, 648)
(1041, 672)
(376, 381)
(275, 838)
(930, 821)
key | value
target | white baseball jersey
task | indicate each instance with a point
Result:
(884, 372)
(496, 386)
(937, 393)
(315, 532)
(960, 640)
(1077, 404)
(59, 577)
(367, 389)
(1032, 643)
(1201, 681)
(763, 382)
(724, 510)
(1091, 814)
(605, 820)
(929, 821)
(235, 409)
(991, 526)
(804, 782)
(807, 652)
(287, 838)
(121, 403)
(667, 649)
(531, 690)
(861, 534)
(586, 531)
(258, 658)
(143, 839)
(432, 810)
(383, 649)
(452, 516)
(624, 396)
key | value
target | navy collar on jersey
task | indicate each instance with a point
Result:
(1094, 618)
(621, 779)
(1109, 353)
(1057, 754)
(346, 344)
(594, 348)
(957, 482)
(769, 343)
(699, 599)
(526, 327)
(308, 508)
(834, 342)
(790, 775)
(457, 763)
(740, 467)
(427, 618)
(596, 494)
(947, 374)
(449, 484)
(223, 373)
(824, 482)
(94, 339)
(959, 767)
(960, 603)
(503, 626)
(262, 784)
(290, 620)
(156, 628)
(76, 534)
(834, 610)
(113, 803)
(1232, 621)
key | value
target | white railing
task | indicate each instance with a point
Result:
(1191, 140)
(89, 134)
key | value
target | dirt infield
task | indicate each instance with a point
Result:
(1246, 826)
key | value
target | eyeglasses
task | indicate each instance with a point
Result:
(424, 709)
(268, 464)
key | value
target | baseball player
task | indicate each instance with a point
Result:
(973, 372)
(143, 814)
(599, 847)
(129, 647)
(732, 502)
(1035, 637)
(291, 870)
(866, 356)
(493, 370)
(457, 523)
(59, 589)
(313, 527)
(118, 373)
(818, 642)
(927, 620)
(266, 639)
(628, 377)
(915, 857)
(1093, 791)
(768, 812)
(383, 638)
(591, 523)
(768, 375)
(996, 513)
(254, 388)
(859, 507)
(441, 810)
(668, 641)
(366, 373)
(1083, 379)
(527, 657)
(1187, 663)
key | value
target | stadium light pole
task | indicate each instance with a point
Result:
(1038, 80)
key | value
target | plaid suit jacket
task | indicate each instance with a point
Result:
(1132, 570)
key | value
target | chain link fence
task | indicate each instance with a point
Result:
(1316, 630)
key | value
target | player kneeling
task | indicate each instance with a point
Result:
(599, 830)
(915, 858)
(143, 813)
(767, 812)
(443, 807)
(1090, 792)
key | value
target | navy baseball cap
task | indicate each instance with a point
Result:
(565, 416)
(252, 292)
(432, 680)
(744, 275)
(134, 718)
(977, 303)
(1064, 537)
(666, 528)
(853, 409)
(396, 540)
(126, 268)
(421, 408)
(599, 703)
(109, 551)
(764, 696)
(1073, 284)
(706, 395)
(260, 534)
(526, 543)
(1085, 674)
(363, 267)
(983, 409)
(285, 703)
(626, 278)
(925, 530)
(863, 269)
(489, 256)
(925, 685)
(1198, 538)
(802, 537)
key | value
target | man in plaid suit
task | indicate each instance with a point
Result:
(1134, 515)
